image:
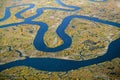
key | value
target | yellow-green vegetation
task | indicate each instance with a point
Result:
(1, 7)
(104, 71)
(1, 3)
(89, 39)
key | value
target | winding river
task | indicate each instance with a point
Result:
(51, 64)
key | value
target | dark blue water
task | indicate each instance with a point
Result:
(51, 64)
(18, 15)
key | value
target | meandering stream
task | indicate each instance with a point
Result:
(51, 64)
